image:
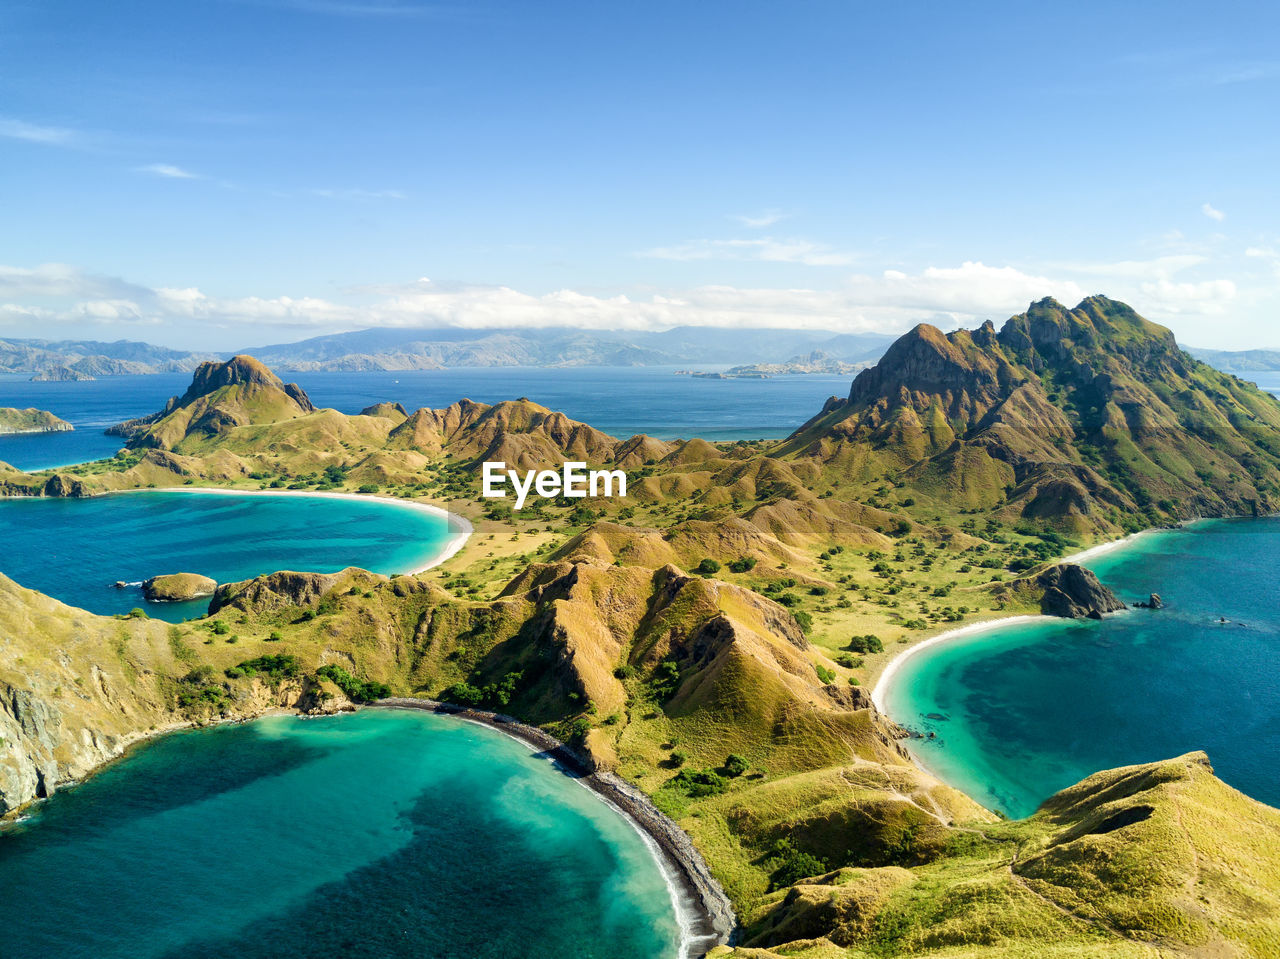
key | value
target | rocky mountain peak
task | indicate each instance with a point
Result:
(925, 360)
(239, 371)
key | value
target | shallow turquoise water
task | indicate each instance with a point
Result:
(379, 834)
(76, 549)
(1030, 709)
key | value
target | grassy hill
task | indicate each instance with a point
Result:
(31, 421)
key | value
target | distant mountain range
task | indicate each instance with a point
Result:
(89, 359)
(757, 350)
(410, 349)
(428, 349)
(1241, 361)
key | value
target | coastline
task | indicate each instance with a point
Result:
(703, 911)
(459, 526)
(883, 681)
(714, 921)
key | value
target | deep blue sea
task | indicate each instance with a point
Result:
(76, 549)
(621, 401)
(1030, 709)
(378, 835)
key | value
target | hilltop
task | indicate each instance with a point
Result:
(1089, 418)
(712, 637)
(221, 397)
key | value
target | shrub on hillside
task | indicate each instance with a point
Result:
(866, 644)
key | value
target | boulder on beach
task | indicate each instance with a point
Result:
(178, 587)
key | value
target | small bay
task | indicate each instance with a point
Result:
(76, 549)
(381, 834)
(1030, 708)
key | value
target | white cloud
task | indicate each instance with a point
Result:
(60, 281)
(33, 133)
(358, 194)
(170, 171)
(1212, 213)
(765, 249)
(892, 300)
(1209, 297)
(761, 220)
(1154, 268)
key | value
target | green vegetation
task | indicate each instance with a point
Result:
(275, 668)
(360, 691)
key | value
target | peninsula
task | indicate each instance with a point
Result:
(31, 421)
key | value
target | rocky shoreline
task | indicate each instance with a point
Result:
(716, 922)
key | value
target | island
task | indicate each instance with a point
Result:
(31, 421)
(61, 374)
(178, 587)
(706, 646)
(816, 362)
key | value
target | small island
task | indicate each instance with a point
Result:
(31, 421)
(178, 587)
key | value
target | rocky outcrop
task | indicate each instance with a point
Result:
(237, 371)
(287, 588)
(1074, 592)
(178, 587)
(1154, 602)
(60, 484)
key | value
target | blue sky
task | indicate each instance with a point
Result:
(222, 173)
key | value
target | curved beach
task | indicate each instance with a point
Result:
(885, 679)
(704, 913)
(972, 629)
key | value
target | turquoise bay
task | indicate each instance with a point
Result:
(380, 834)
(1030, 708)
(76, 549)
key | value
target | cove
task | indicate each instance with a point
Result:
(1025, 710)
(377, 834)
(76, 549)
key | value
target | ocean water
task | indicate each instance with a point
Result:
(377, 835)
(1023, 711)
(76, 549)
(621, 401)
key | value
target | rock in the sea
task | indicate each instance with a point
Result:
(178, 587)
(1074, 592)
(1155, 602)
